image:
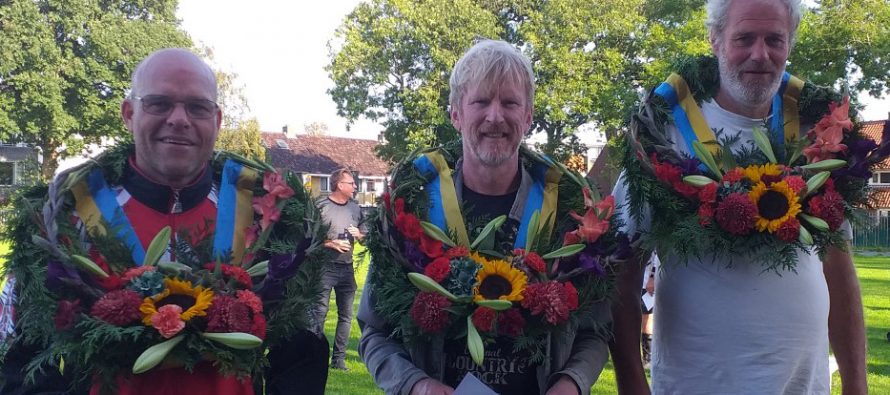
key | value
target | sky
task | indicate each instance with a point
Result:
(279, 50)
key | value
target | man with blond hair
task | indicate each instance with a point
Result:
(492, 93)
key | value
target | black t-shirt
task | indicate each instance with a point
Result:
(506, 372)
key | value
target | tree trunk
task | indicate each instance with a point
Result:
(50, 161)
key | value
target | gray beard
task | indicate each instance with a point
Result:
(748, 94)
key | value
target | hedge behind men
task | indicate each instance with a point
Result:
(482, 177)
(739, 329)
(344, 216)
(166, 178)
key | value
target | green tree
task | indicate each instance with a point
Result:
(65, 68)
(593, 59)
(239, 133)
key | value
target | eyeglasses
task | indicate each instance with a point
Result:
(164, 105)
(350, 182)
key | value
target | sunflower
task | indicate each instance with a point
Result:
(194, 301)
(776, 204)
(498, 280)
(755, 173)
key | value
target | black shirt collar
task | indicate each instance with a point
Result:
(161, 197)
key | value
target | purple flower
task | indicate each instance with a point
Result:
(284, 266)
(690, 166)
(415, 256)
(592, 263)
(58, 275)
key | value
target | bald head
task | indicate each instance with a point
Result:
(163, 60)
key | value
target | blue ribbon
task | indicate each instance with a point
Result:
(225, 211)
(533, 202)
(106, 201)
(434, 191)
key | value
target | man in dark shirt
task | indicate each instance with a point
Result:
(344, 216)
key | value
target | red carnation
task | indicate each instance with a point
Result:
(239, 274)
(119, 307)
(66, 313)
(735, 214)
(535, 262)
(549, 299)
(789, 231)
(457, 252)
(251, 300)
(258, 328)
(796, 183)
(829, 206)
(226, 314)
(571, 296)
(429, 311)
(438, 270)
(705, 213)
(430, 246)
(136, 272)
(484, 318)
(510, 323)
(110, 283)
(685, 189)
(734, 175)
(409, 225)
(708, 193)
(667, 173)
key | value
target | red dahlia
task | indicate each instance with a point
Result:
(429, 311)
(119, 307)
(510, 322)
(226, 314)
(549, 299)
(796, 183)
(828, 206)
(735, 214)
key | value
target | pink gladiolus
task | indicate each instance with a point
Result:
(266, 207)
(829, 132)
(276, 185)
(591, 227)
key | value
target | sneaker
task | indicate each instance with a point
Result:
(339, 365)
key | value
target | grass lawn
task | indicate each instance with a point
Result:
(874, 277)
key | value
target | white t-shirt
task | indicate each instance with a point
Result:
(736, 330)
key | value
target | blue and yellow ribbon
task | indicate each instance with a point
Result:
(784, 125)
(95, 202)
(444, 211)
(542, 197)
(234, 210)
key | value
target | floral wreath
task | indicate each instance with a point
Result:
(768, 201)
(107, 313)
(426, 284)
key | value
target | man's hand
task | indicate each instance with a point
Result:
(564, 386)
(355, 232)
(429, 386)
(340, 246)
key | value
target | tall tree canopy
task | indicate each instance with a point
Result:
(65, 67)
(391, 59)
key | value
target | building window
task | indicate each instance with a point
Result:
(372, 186)
(7, 173)
(881, 178)
(324, 184)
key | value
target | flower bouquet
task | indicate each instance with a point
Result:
(490, 287)
(219, 292)
(771, 200)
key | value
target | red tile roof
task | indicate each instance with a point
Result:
(874, 130)
(880, 197)
(324, 154)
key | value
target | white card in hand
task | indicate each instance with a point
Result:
(471, 385)
(648, 300)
